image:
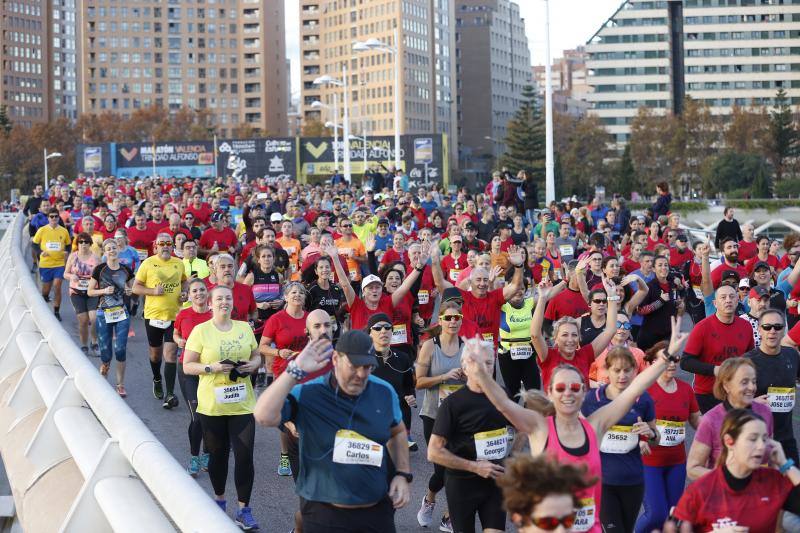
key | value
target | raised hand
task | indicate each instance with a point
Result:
(315, 355)
(369, 245)
(678, 338)
(495, 273)
(332, 252)
(515, 255)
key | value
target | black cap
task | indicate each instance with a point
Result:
(357, 346)
(216, 216)
(378, 318)
(451, 293)
(730, 275)
(682, 237)
(471, 226)
(503, 225)
(383, 221)
(761, 264)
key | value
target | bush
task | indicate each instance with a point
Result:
(770, 206)
(788, 188)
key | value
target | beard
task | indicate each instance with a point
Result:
(732, 257)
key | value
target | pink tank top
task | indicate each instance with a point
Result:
(588, 518)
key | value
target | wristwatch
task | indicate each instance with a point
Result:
(407, 475)
(207, 369)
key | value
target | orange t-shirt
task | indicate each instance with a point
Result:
(292, 249)
(350, 249)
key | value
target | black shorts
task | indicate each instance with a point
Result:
(83, 303)
(156, 336)
(468, 496)
(325, 518)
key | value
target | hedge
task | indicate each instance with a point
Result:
(771, 206)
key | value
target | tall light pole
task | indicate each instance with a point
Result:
(327, 80)
(376, 45)
(318, 105)
(549, 163)
(46, 157)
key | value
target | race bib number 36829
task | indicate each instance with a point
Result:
(352, 448)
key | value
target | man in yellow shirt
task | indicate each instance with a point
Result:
(162, 280)
(365, 224)
(53, 241)
(352, 249)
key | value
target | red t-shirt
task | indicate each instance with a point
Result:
(225, 239)
(156, 227)
(142, 240)
(566, 303)
(484, 311)
(201, 214)
(771, 261)
(288, 333)
(678, 258)
(716, 274)
(709, 500)
(425, 295)
(468, 329)
(747, 250)
(360, 313)
(185, 322)
(671, 407)
(506, 244)
(452, 267)
(714, 342)
(401, 321)
(629, 265)
(794, 333)
(785, 262)
(582, 360)
(392, 256)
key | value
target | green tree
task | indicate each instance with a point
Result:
(700, 134)
(657, 148)
(5, 121)
(525, 138)
(625, 180)
(783, 134)
(731, 171)
(747, 130)
(761, 185)
(583, 150)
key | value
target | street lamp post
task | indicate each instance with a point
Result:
(317, 105)
(549, 164)
(376, 45)
(46, 157)
(364, 141)
(327, 80)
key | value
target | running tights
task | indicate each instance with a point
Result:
(188, 385)
(220, 434)
(519, 373)
(663, 487)
(436, 482)
(471, 495)
(620, 507)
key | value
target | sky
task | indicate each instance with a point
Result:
(566, 30)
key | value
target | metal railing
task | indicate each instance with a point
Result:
(77, 457)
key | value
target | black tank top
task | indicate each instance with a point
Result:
(589, 331)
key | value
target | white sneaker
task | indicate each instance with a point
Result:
(446, 525)
(425, 513)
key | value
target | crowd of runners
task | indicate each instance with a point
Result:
(539, 349)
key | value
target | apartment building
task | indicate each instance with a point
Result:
(653, 53)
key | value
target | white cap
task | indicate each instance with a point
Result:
(372, 278)
(744, 283)
(275, 217)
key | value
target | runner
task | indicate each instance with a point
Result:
(162, 280)
(78, 271)
(111, 282)
(53, 241)
(223, 352)
(598, 372)
(185, 322)
(265, 283)
(515, 357)
(740, 495)
(244, 303)
(345, 409)
(325, 294)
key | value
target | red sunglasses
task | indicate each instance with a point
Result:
(561, 387)
(550, 523)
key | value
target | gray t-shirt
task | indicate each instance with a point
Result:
(566, 248)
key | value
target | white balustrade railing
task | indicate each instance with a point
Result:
(77, 457)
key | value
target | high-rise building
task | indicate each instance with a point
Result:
(225, 57)
(724, 53)
(569, 79)
(425, 49)
(493, 64)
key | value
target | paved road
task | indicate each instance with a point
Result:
(273, 500)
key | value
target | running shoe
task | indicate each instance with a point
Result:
(284, 469)
(46, 298)
(194, 466)
(170, 401)
(412, 445)
(204, 462)
(245, 520)
(121, 391)
(104, 368)
(158, 389)
(445, 525)
(223, 504)
(85, 350)
(425, 513)
(57, 315)
(95, 349)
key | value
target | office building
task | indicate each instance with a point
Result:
(228, 58)
(569, 79)
(425, 48)
(720, 52)
(493, 62)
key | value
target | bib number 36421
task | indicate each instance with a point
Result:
(352, 448)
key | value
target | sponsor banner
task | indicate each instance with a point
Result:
(192, 158)
(274, 158)
(94, 159)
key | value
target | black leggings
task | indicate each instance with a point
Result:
(469, 495)
(220, 434)
(519, 373)
(436, 482)
(188, 385)
(620, 506)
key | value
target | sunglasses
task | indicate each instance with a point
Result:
(52, 216)
(770, 327)
(451, 318)
(164, 243)
(598, 301)
(550, 523)
(84, 242)
(378, 327)
(624, 325)
(574, 387)
(347, 225)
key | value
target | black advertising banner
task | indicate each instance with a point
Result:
(274, 158)
(94, 159)
(193, 159)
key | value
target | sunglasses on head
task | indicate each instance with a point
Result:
(574, 387)
(379, 327)
(451, 318)
(550, 523)
(624, 325)
(770, 327)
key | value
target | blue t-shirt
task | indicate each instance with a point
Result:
(318, 410)
(621, 468)
(383, 243)
(637, 319)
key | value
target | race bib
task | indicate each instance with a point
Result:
(399, 335)
(347, 252)
(423, 297)
(160, 324)
(619, 439)
(115, 314)
(351, 448)
(290, 250)
(671, 433)
(142, 254)
(698, 292)
(491, 445)
(454, 273)
(83, 284)
(585, 517)
(566, 249)
(522, 351)
(488, 337)
(446, 390)
(51, 246)
(231, 393)
(781, 399)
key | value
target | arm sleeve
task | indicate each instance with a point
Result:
(650, 308)
(372, 262)
(693, 364)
